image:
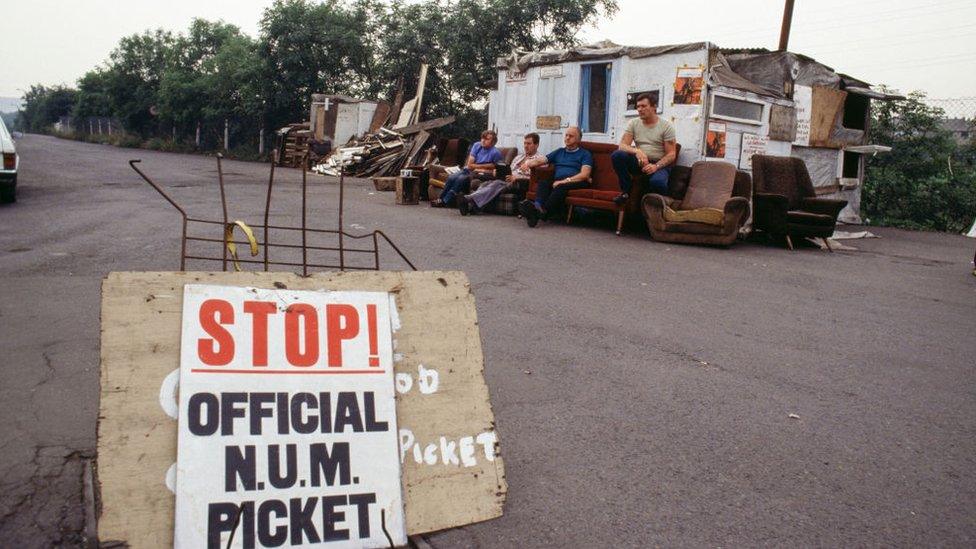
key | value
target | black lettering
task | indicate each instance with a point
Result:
(282, 413)
(300, 519)
(331, 463)
(325, 412)
(370, 405)
(298, 421)
(239, 465)
(274, 465)
(220, 518)
(197, 425)
(228, 411)
(246, 527)
(347, 413)
(265, 537)
(330, 517)
(362, 501)
(259, 411)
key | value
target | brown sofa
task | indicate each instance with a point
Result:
(438, 173)
(604, 186)
(714, 185)
(786, 204)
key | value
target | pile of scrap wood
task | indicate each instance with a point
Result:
(293, 144)
(384, 152)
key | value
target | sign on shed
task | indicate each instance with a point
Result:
(287, 420)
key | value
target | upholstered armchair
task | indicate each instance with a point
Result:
(708, 205)
(786, 204)
(438, 173)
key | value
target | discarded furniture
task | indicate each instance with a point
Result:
(603, 189)
(785, 203)
(439, 175)
(708, 204)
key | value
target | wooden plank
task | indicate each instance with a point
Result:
(141, 314)
(826, 106)
(425, 125)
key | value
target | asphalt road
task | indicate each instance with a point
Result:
(662, 376)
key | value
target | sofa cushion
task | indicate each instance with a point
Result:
(806, 218)
(708, 216)
(710, 186)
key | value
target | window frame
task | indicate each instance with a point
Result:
(713, 114)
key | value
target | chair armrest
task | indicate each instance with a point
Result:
(770, 212)
(437, 172)
(539, 174)
(652, 207)
(823, 206)
(736, 212)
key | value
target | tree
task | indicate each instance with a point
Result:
(462, 40)
(135, 74)
(312, 48)
(44, 106)
(927, 181)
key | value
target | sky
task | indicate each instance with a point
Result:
(927, 45)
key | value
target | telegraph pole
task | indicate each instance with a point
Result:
(784, 33)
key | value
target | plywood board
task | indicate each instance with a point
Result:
(453, 473)
(782, 123)
(826, 107)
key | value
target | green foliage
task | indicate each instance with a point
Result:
(44, 106)
(927, 181)
(157, 83)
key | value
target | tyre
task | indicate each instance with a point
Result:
(8, 192)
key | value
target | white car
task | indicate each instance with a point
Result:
(8, 171)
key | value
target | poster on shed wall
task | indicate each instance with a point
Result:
(751, 144)
(688, 83)
(715, 140)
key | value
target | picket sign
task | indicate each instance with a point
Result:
(443, 430)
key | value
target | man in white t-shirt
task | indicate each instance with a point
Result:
(647, 150)
(521, 171)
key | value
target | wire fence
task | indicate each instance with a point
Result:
(956, 107)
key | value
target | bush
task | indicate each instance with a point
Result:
(927, 181)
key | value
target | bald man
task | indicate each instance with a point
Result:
(573, 166)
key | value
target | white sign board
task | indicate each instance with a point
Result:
(551, 71)
(751, 144)
(287, 420)
(803, 101)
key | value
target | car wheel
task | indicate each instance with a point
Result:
(8, 193)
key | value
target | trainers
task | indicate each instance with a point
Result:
(529, 212)
(464, 205)
(621, 199)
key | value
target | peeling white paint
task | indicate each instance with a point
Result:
(168, 393)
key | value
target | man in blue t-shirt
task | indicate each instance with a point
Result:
(481, 159)
(573, 165)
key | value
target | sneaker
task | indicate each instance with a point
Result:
(436, 203)
(529, 212)
(621, 199)
(464, 205)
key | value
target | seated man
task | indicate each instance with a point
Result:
(481, 159)
(520, 172)
(573, 165)
(647, 150)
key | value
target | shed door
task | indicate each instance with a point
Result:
(557, 99)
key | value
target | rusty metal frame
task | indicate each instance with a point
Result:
(372, 239)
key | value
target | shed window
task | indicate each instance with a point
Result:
(737, 109)
(595, 97)
(856, 111)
